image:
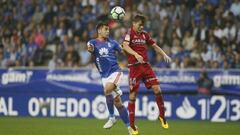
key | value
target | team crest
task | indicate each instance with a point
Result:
(109, 45)
(103, 51)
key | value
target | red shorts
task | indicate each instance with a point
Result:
(141, 72)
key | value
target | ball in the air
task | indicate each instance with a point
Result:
(117, 13)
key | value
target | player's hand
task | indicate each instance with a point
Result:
(139, 58)
(90, 48)
(167, 58)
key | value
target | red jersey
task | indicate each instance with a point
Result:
(139, 42)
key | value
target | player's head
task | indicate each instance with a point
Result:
(138, 23)
(102, 29)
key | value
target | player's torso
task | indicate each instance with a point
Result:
(138, 43)
(104, 49)
(105, 57)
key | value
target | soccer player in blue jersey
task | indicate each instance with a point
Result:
(104, 51)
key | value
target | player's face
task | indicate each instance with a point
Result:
(138, 26)
(104, 32)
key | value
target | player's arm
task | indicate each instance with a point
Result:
(156, 48)
(122, 51)
(90, 47)
(118, 47)
(161, 52)
(130, 51)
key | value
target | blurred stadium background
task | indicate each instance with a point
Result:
(50, 86)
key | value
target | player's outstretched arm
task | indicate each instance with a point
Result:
(160, 51)
(129, 50)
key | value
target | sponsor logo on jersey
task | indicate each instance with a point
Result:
(103, 51)
(139, 41)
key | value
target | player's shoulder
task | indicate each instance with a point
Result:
(144, 32)
(129, 31)
(128, 35)
(112, 41)
(92, 41)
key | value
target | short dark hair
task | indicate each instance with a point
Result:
(101, 24)
(139, 17)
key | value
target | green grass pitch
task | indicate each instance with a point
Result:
(79, 126)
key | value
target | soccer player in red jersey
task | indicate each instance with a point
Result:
(135, 43)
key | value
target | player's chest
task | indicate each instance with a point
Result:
(139, 39)
(104, 49)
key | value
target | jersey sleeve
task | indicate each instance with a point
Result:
(90, 43)
(127, 36)
(149, 40)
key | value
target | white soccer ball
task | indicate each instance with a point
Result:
(117, 13)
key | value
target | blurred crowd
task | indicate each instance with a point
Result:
(53, 33)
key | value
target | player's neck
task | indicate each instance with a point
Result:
(135, 30)
(101, 38)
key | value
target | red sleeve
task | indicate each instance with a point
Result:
(149, 40)
(127, 36)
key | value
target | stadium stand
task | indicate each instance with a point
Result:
(195, 33)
